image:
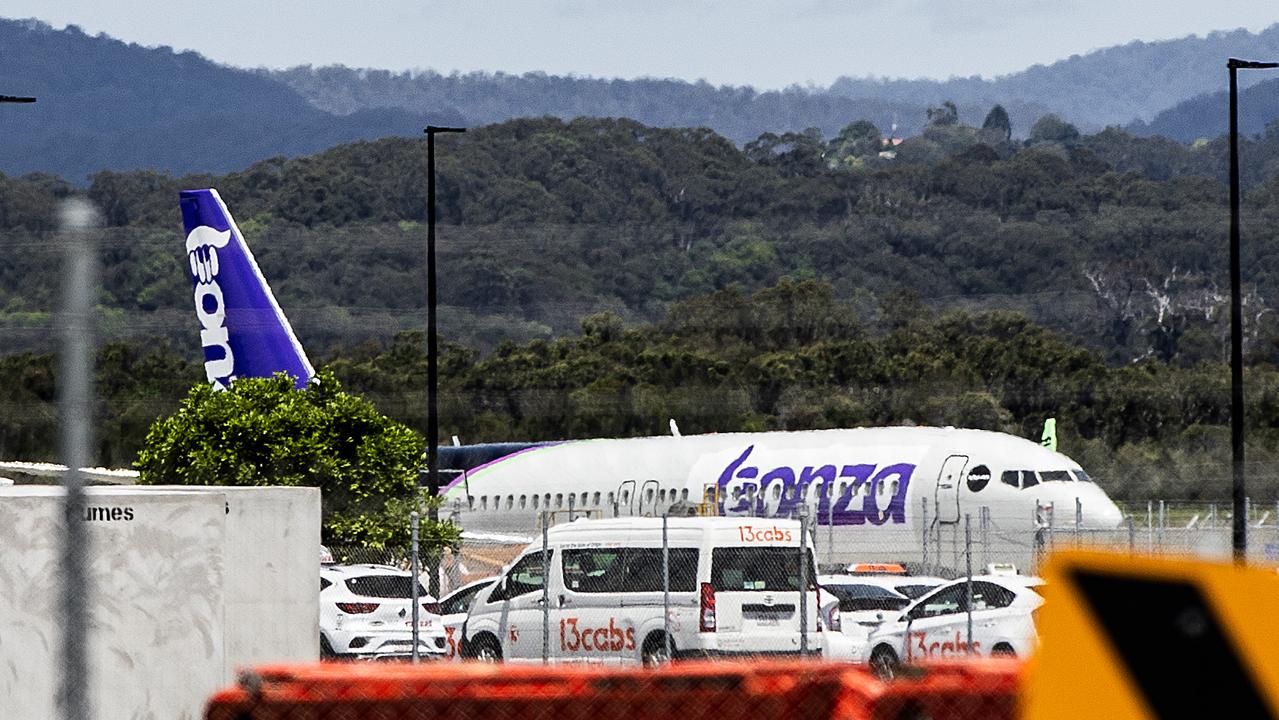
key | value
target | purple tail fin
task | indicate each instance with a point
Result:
(242, 329)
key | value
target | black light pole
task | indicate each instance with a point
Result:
(1238, 493)
(432, 352)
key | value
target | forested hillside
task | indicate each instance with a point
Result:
(801, 281)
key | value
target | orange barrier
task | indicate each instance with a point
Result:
(684, 691)
(985, 689)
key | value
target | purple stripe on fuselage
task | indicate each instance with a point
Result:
(458, 480)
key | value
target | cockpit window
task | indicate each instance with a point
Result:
(1081, 476)
(1011, 477)
(1054, 476)
(1029, 478)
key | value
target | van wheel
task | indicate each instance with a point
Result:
(654, 653)
(1003, 650)
(485, 649)
(884, 663)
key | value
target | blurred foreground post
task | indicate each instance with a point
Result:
(75, 325)
(1240, 533)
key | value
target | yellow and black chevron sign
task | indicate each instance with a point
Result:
(1128, 637)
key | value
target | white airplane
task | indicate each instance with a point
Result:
(880, 493)
(899, 493)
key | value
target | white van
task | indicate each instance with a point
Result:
(734, 590)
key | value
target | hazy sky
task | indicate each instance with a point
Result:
(768, 44)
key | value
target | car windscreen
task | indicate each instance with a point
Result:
(866, 597)
(914, 592)
(384, 586)
(758, 568)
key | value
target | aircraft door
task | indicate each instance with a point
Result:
(952, 472)
(647, 499)
(624, 502)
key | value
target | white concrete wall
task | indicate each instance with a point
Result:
(155, 601)
(272, 557)
(200, 582)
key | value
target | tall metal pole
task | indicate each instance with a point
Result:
(1238, 491)
(432, 349)
(76, 325)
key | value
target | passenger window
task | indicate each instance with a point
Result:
(510, 501)
(470, 502)
(945, 602)
(582, 502)
(535, 502)
(484, 502)
(524, 578)
(1029, 479)
(610, 498)
(523, 501)
(626, 497)
(1011, 477)
(988, 596)
(595, 500)
(497, 502)
(648, 495)
(683, 494)
(559, 500)
(843, 489)
(546, 501)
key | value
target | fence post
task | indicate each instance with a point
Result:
(1161, 527)
(830, 522)
(546, 590)
(414, 582)
(1079, 518)
(984, 526)
(923, 503)
(968, 552)
(571, 497)
(666, 588)
(803, 582)
(1150, 527)
(1132, 536)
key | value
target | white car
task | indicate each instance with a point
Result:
(936, 625)
(860, 605)
(366, 612)
(454, 608)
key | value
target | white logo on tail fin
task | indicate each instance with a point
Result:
(203, 244)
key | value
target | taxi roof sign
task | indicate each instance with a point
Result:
(1127, 637)
(876, 569)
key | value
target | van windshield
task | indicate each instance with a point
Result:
(758, 568)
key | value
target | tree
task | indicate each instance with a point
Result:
(264, 432)
(1052, 129)
(856, 140)
(998, 124)
(945, 115)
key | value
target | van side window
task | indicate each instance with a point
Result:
(524, 577)
(611, 570)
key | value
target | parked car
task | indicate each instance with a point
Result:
(936, 625)
(454, 609)
(366, 612)
(860, 605)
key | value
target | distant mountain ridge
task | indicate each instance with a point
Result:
(106, 104)
(1208, 116)
(1111, 86)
